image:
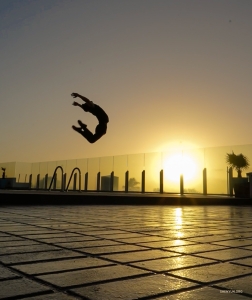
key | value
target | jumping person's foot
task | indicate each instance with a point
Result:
(78, 129)
(82, 125)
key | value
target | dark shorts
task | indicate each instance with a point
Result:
(101, 129)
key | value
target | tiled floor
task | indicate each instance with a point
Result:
(125, 252)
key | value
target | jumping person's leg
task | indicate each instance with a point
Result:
(88, 135)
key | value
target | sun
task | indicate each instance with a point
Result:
(178, 164)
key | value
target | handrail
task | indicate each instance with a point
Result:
(71, 178)
(62, 178)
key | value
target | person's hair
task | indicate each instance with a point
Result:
(85, 106)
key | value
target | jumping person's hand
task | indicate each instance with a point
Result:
(74, 95)
(75, 103)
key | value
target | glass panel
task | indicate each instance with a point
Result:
(246, 150)
(120, 168)
(135, 167)
(82, 165)
(171, 164)
(192, 168)
(35, 170)
(153, 166)
(190, 163)
(51, 166)
(106, 167)
(215, 161)
(23, 171)
(9, 169)
(93, 166)
(68, 168)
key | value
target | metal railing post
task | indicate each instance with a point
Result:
(143, 181)
(98, 181)
(55, 182)
(46, 181)
(112, 181)
(181, 184)
(230, 181)
(126, 181)
(86, 181)
(30, 181)
(64, 181)
(74, 181)
(205, 181)
(38, 179)
(161, 180)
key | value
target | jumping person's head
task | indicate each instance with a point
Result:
(86, 107)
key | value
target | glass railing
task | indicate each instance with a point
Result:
(189, 162)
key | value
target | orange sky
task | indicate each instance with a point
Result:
(166, 72)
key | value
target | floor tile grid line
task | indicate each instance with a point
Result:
(80, 251)
(217, 220)
(220, 260)
(65, 271)
(157, 296)
(194, 253)
(40, 261)
(130, 263)
(177, 292)
(240, 264)
(10, 278)
(41, 240)
(227, 289)
(52, 288)
(236, 247)
(188, 290)
(70, 231)
(211, 283)
(170, 270)
(74, 286)
(115, 252)
(30, 295)
(122, 239)
(118, 279)
(106, 280)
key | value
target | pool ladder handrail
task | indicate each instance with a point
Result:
(71, 178)
(62, 178)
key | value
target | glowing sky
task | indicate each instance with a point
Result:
(165, 71)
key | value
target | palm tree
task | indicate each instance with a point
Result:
(238, 162)
(132, 184)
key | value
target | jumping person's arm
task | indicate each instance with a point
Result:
(83, 98)
(76, 104)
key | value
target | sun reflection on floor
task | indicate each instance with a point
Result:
(178, 222)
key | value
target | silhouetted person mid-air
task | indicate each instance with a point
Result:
(97, 111)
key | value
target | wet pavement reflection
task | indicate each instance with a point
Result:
(125, 252)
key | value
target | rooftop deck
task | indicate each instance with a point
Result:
(125, 252)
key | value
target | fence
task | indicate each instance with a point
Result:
(202, 169)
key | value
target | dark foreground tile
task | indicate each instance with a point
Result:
(54, 296)
(37, 256)
(68, 279)
(213, 272)
(6, 274)
(140, 255)
(206, 293)
(20, 287)
(170, 263)
(240, 285)
(61, 265)
(133, 288)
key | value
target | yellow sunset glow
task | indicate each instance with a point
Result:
(178, 164)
